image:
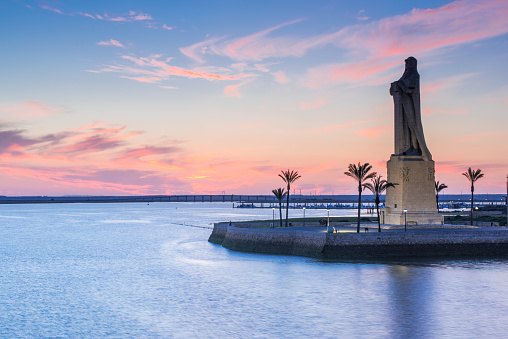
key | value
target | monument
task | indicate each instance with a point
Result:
(413, 199)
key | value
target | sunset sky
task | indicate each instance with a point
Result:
(205, 97)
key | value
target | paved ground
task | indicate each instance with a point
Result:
(366, 227)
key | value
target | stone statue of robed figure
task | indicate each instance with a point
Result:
(412, 201)
(409, 139)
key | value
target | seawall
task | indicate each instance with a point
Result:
(414, 243)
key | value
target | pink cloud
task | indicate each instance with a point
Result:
(375, 132)
(472, 137)
(384, 43)
(445, 83)
(330, 128)
(432, 111)
(29, 109)
(314, 104)
(232, 90)
(111, 42)
(280, 77)
(152, 70)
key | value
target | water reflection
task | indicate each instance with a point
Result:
(411, 298)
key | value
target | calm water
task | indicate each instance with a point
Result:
(145, 271)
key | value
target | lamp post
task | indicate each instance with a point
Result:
(328, 221)
(476, 209)
(273, 217)
(304, 217)
(405, 220)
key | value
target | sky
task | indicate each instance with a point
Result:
(217, 97)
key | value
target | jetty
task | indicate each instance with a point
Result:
(392, 242)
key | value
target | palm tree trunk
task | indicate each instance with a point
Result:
(280, 212)
(287, 207)
(437, 202)
(359, 204)
(472, 195)
(378, 220)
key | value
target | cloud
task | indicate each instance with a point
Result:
(314, 104)
(331, 128)
(153, 69)
(433, 111)
(280, 77)
(375, 132)
(111, 42)
(29, 109)
(167, 28)
(131, 16)
(472, 137)
(232, 90)
(382, 43)
(446, 83)
(361, 15)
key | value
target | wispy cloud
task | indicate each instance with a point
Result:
(111, 42)
(130, 16)
(375, 132)
(472, 137)
(446, 83)
(232, 90)
(280, 77)
(313, 104)
(154, 69)
(382, 43)
(29, 109)
(331, 128)
(433, 111)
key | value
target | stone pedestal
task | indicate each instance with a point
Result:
(414, 192)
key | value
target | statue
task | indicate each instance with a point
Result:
(412, 200)
(409, 139)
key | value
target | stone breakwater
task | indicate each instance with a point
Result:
(414, 243)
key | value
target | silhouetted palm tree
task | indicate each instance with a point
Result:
(377, 186)
(289, 177)
(472, 176)
(279, 194)
(439, 188)
(360, 173)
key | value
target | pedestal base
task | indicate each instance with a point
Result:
(414, 192)
(414, 218)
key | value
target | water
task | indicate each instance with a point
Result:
(147, 271)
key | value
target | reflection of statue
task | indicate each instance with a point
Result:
(409, 139)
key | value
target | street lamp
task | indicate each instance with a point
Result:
(476, 209)
(405, 220)
(304, 217)
(328, 221)
(273, 216)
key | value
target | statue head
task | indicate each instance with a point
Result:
(411, 63)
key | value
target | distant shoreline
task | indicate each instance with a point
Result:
(256, 200)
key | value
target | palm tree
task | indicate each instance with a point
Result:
(377, 187)
(289, 177)
(472, 176)
(439, 188)
(279, 194)
(360, 173)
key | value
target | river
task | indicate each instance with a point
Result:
(135, 270)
